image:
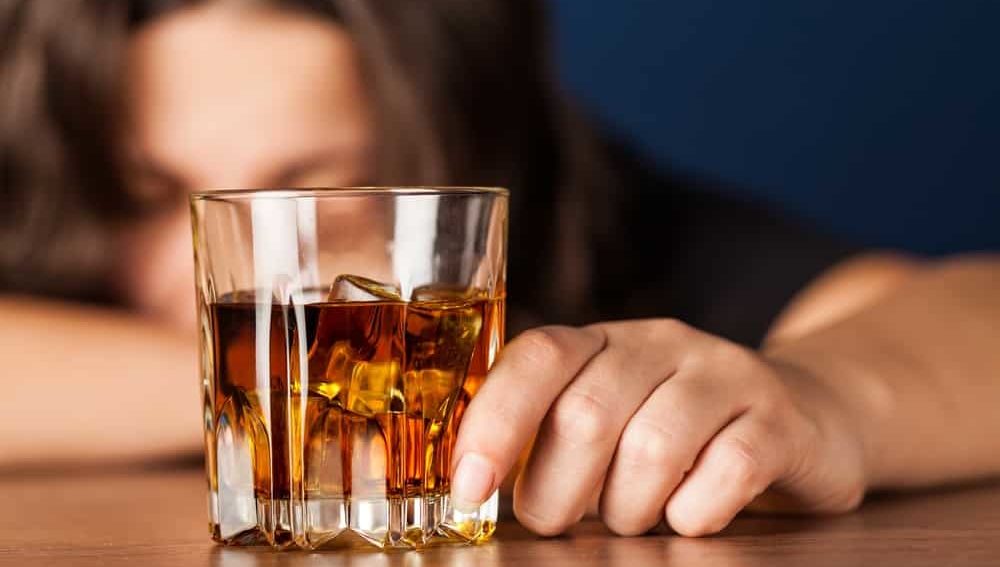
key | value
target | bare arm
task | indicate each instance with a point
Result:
(917, 372)
(85, 385)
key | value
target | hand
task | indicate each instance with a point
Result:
(655, 420)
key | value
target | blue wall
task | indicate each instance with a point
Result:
(879, 119)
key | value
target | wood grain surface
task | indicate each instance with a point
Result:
(159, 518)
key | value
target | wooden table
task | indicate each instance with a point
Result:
(158, 518)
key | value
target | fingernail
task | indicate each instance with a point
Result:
(472, 483)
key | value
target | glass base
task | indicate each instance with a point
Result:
(330, 523)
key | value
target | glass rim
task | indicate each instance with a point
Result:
(335, 192)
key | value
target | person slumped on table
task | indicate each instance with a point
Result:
(707, 355)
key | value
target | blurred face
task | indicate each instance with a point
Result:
(225, 96)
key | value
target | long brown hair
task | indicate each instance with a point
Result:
(462, 90)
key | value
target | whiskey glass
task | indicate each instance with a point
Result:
(343, 332)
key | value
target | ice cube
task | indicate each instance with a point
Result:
(362, 387)
(356, 328)
(445, 295)
(441, 335)
(358, 288)
(375, 389)
(339, 367)
(429, 392)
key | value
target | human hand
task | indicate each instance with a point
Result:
(657, 421)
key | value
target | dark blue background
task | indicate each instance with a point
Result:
(879, 119)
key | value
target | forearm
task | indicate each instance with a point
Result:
(917, 373)
(90, 385)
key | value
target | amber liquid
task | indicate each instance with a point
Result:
(348, 399)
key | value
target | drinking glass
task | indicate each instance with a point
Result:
(343, 333)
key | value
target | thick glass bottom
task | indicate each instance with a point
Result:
(327, 523)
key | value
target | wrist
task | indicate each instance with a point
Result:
(843, 444)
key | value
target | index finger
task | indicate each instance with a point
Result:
(509, 407)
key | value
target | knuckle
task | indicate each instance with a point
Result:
(742, 462)
(545, 346)
(735, 357)
(692, 390)
(581, 417)
(673, 328)
(645, 444)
